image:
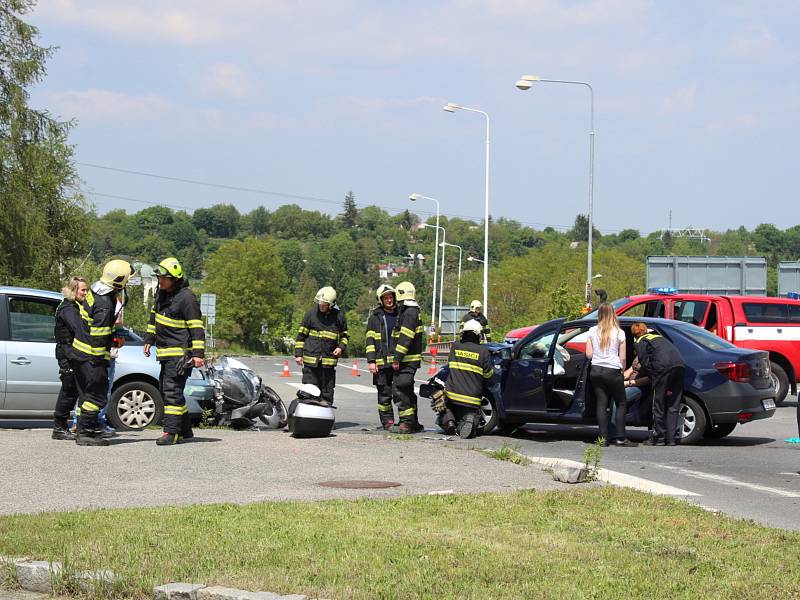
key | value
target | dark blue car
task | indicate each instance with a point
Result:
(724, 385)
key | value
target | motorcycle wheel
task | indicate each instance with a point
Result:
(275, 415)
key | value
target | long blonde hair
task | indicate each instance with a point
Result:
(607, 325)
(70, 290)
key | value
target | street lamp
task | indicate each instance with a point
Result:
(473, 259)
(458, 289)
(526, 83)
(414, 198)
(441, 283)
(452, 107)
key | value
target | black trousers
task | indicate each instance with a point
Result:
(404, 396)
(667, 396)
(92, 381)
(456, 413)
(171, 382)
(67, 396)
(609, 386)
(383, 381)
(322, 377)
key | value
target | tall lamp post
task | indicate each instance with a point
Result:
(458, 289)
(441, 283)
(473, 259)
(414, 198)
(525, 83)
(451, 108)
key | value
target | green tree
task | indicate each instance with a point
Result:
(43, 218)
(221, 220)
(349, 214)
(250, 283)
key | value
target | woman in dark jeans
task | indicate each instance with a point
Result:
(606, 350)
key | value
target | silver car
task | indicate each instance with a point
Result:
(29, 382)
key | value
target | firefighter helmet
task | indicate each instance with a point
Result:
(475, 304)
(116, 273)
(169, 267)
(326, 295)
(383, 290)
(472, 325)
(406, 291)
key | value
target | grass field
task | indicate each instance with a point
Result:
(591, 543)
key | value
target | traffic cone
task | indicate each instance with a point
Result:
(432, 369)
(354, 372)
(286, 372)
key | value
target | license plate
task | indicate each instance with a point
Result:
(769, 404)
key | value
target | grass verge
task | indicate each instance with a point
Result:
(508, 453)
(593, 543)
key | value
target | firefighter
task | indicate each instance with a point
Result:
(321, 340)
(176, 330)
(476, 313)
(68, 321)
(407, 358)
(467, 383)
(91, 348)
(381, 340)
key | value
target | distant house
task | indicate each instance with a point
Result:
(389, 270)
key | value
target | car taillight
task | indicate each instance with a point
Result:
(739, 371)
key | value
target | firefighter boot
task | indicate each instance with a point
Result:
(168, 439)
(186, 427)
(88, 429)
(62, 433)
(467, 426)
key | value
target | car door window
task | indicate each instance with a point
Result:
(650, 308)
(538, 346)
(691, 311)
(32, 320)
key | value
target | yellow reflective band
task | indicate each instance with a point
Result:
(303, 330)
(166, 321)
(194, 324)
(395, 333)
(98, 331)
(329, 362)
(372, 333)
(454, 364)
(420, 329)
(407, 412)
(370, 348)
(151, 329)
(310, 359)
(384, 407)
(401, 348)
(90, 406)
(174, 409)
(488, 374)
(198, 344)
(343, 341)
(90, 350)
(89, 298)
(380, 361)
(84, 315)
(299, 344)
(411, 357)
(166, 352)
(329, 335)
(462, 398)
(407, 331)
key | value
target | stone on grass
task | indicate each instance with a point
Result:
(90, 581)
(35, 575)
(225, 593)
(569, 474)
(177, 591)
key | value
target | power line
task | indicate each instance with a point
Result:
(129, 199)
(263, 192)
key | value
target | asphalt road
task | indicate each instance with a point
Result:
(752, 473)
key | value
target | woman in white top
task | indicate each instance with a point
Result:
(606, 349)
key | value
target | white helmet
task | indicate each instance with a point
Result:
(472, 325)
(406, 291)
(383, 290)
(326, 294)
(475, 304)
(116, 273)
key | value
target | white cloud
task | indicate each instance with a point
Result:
(93, 105)
(680, 99)
(759, 44)
(227, 79)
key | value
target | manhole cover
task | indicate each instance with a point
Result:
(359, 484)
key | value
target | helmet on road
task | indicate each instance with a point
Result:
(116, 273)
(406, 291)
(383, 290)
(169, 267)
(474, 305)
(473, 326)
(326, 295)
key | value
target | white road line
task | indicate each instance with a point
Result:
(364, 389)
(350, 368)
(618, 479)
(296, 386)
(725, 480)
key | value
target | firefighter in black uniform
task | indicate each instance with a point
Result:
(467, 383)
(68, 321)
(407, 358)
(321, 340)
(91, 348)
(176, 330)
(381, 340)
(665, 366)
(476, 313)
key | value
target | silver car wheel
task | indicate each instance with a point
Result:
(486, 411)
(688, 421)
(136, 409)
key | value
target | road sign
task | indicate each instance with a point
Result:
(208, 304)
(135, 281)
(211, 319)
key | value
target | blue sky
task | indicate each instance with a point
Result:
(696, 104)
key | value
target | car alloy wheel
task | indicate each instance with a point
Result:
(136, 409)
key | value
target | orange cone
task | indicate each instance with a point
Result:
(432, 370)
(286, 369)
(354, 372)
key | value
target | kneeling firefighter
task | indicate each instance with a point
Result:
(91, 347)
(381, 340)
(467, 383)
(409, 333)
(176, 329)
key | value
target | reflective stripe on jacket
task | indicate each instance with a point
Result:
(92, 342)
(410, 336)
(176, 324)
(480, 318)
(319, 335)
(470, 373)
(380, 341)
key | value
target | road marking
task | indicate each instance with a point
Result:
(725, 480)
(296, 386)
(356, 387)
(617, 478)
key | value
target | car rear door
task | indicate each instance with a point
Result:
(526, 383)
(32, 382)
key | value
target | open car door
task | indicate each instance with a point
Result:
(530, 374)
